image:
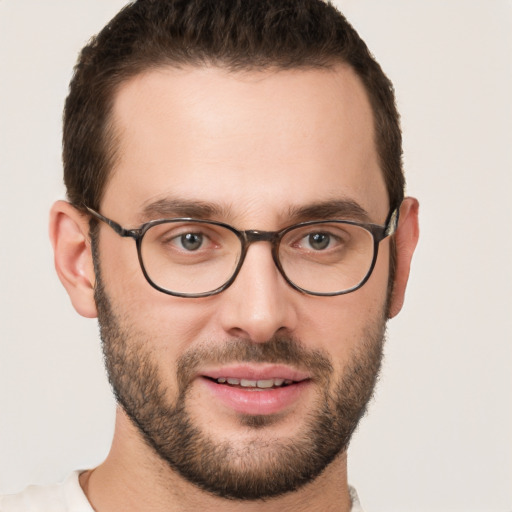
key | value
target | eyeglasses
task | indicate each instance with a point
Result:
(197, 258)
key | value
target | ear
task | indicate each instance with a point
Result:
(406, 238)
(69, 235)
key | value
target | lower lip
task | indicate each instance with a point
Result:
(257, 402)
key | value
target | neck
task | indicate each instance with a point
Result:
(134, 478)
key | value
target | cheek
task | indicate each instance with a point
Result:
(341, 324)
(168, 323)
(119, 265)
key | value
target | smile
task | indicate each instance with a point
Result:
(256, 389)
(254, 384)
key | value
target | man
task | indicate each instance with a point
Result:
(252, 150)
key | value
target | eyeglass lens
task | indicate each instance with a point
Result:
(188, 257)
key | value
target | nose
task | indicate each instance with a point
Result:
(259, 304)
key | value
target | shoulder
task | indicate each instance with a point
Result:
(64, 497)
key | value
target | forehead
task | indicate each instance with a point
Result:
(255, 143)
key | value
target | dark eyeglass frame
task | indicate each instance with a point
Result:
(250, 236)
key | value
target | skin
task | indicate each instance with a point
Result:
(256, 145)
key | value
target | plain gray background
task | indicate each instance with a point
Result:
(438, 434)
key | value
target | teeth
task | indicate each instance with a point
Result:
(267, 383)
(248, 383)
(262, 384)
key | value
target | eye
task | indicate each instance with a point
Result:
(319, 241)
(187, 239)
(190, 241)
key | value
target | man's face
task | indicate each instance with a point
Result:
(256, 148)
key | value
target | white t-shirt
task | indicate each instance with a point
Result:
(64, 497)
(69, 497)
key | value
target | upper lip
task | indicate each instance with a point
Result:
(255, 372)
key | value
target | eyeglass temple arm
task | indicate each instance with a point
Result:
(114, 225)
(392, 223)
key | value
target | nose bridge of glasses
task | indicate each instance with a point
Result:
(256, 235)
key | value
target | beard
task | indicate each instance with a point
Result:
(262, 467)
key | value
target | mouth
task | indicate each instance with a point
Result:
(256, 390)
(253, 385)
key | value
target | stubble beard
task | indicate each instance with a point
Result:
(264, 467)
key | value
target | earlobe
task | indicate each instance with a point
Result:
(406, 238)
(69, 235)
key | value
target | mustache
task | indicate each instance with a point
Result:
(278, 350)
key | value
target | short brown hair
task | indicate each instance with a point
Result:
(235, 34)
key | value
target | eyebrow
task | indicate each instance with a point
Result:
(342, 209)
(174, 207)
(166, 208)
